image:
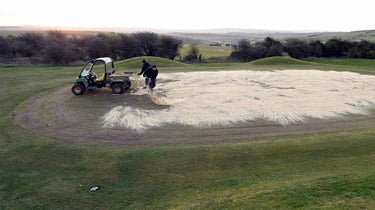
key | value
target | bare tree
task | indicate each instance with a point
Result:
(58, 48)
(168, 47)
(147, 43)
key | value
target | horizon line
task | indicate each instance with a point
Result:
(165, 30)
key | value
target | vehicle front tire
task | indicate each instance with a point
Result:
(127, 84)
(78, 89)
(118, 88)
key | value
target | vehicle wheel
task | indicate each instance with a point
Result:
(78, 89)
(127, 85)
(118, 88)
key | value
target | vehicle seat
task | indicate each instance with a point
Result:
(101, 78)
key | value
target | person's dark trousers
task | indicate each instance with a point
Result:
(152, 82)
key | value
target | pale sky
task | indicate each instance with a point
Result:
(322, 15)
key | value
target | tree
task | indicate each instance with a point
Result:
(128, 46)
(354, 52)
(316, 48)
(297, 48)
(111, 42)
(242, 51)
(4, 47)
(168, 47)
(272, 47)
(29, 44)
(80, 44)
(367, 48)
(336, 48)
(58, 48)
(147, 43)
(193, 54)
(96, 47)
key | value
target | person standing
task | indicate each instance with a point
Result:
(145, 66)
(151, 75)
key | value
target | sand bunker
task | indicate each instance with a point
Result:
(203, 99)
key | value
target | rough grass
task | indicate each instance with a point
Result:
(329, 171)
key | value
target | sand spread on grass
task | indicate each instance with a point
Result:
(203, 99)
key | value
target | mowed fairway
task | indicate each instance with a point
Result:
(54, 148)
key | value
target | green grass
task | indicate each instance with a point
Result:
(279, 61)
(312, 171)
(366, 66)
(208, 51)
(281, 172)
(368, 63)
(136, 63)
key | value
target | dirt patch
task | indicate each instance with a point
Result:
(63, 116)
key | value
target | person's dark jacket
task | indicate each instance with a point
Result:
(151, 73)
(145, 66)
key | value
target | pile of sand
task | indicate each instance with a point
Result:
(209, 98)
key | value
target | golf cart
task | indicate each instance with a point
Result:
(87, 78)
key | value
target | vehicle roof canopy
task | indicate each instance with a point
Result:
(104, 59)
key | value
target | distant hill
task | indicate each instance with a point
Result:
(207, 36)
(234, 37)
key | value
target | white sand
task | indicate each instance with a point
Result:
(209, 98)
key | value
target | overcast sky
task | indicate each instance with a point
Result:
(321, 15)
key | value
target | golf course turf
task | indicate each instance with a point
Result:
(53, 149)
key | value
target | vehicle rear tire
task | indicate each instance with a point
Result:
(118, 88)
(78, 89)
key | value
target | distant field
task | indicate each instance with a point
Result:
(234, 37)
(208, 51)
(53, 149)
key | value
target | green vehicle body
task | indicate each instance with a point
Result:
(88, 78)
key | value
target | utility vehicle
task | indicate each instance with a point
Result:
(88, 79)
